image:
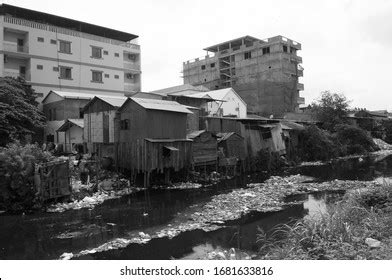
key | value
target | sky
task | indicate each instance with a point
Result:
(346, 44)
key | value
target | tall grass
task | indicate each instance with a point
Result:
(338, 234)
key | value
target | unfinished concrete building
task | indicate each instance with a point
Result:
(264, 73)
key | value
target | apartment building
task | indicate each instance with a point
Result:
(265, 73)
(57, 53)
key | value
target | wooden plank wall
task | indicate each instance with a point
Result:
(145, 156)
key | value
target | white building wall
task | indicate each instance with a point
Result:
(232, 105)
(47, 54)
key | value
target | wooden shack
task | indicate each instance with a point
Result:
(152, 136)
(232, 145)
(204, 148)
(99, 126)
(259, 133)
(73, 133)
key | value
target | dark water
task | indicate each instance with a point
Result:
(48, 235)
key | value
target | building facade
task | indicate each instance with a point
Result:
(56, 53)
(265, 73)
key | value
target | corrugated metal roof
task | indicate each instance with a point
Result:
(79, 95)
(180, 88)
(67, 124)
(292, 126)
(115, 101)
(163, 105)
(222, 136)
(194, 134)
(166, 140)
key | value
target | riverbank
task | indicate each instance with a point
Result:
(360, 227)
(229, 208)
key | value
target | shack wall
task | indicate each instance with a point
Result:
(204, 149)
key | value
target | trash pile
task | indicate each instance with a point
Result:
(232, 254)
(262, 197)
(89, 201)
(382, 144)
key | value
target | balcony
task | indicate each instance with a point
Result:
(130, 87)
(132, 66)
(13, 47)
(16, 74)
(300, 86)
(300, 100)
(295, 58)
(70, 32)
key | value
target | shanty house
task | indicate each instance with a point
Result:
(73, 133)
(231, 144)
(259, 133)
(99, 125)
(58, 106)
(152, 135)
(292, 137)
(204, 147)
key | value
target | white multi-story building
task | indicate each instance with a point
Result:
(56, 53)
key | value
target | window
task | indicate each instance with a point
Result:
(106, 75)
(132, 57)
(81, 113)
(266, 50)
(97, 76)
(116, 76)
(105, 52)
(54, 42)
(65, 47)
(124, 124)
(55, 69)
(40, 67)
(247, 55)
(203, 67)
(40, 39)
(96, 52)
(285, 48)
(266, 135)
(116, 54)
(212, 65)
(65, 73)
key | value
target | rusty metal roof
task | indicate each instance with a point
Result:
(163, 105)
(70, 122)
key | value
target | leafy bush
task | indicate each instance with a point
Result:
(354, 139)
(317, 144)
(17, 163)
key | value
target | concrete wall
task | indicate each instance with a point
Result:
(267, 82)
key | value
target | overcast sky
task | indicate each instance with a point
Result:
(346, 45)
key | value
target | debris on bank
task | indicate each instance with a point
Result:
(261, 197)
(89, 201)
(382, 144)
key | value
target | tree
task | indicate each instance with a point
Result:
(331, 109)
(19, 113)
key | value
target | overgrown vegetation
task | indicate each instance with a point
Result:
(17, 164)
(19, 113)
(331, 110)
(319, 144)
(343, 232)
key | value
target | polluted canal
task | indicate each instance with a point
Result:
(183, 223)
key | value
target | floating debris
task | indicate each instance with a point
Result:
(89, 201)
